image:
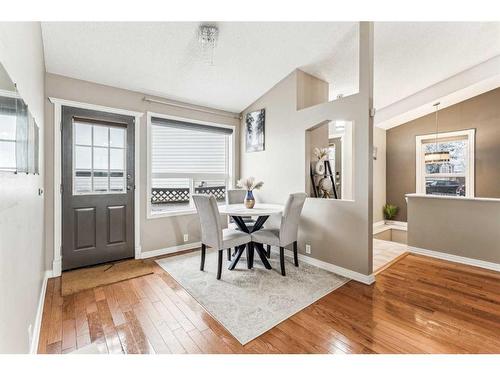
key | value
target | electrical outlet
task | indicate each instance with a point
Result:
(186, 237)
(308, 249)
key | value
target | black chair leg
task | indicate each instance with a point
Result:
(282, 260)
(295, 255)
(219, 265)
(229, 254)
(203, 250)
(268, 251)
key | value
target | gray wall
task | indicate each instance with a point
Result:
(457, 226)
(481, 113)
(157, 233)
(22, 263)
(339, 231)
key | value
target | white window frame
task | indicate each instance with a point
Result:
(469, 170)
(191, 210)
(15, 95)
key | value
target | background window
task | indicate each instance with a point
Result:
(187, 158)
(7, 140)
(453, 177)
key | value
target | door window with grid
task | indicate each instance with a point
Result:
(99, 157)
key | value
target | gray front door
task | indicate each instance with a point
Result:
(98, 185)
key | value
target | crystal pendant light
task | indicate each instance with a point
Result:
(437, 156)
(207, 37)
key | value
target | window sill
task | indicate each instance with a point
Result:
(158, 215)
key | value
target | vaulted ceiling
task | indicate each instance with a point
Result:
(165, 58)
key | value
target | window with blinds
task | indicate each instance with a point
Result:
(187, 158)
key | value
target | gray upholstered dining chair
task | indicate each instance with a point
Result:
(287, 233)
(212, 233)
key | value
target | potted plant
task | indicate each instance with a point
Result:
(249, 184)
(390, 211)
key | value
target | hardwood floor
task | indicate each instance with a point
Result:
(418, 305)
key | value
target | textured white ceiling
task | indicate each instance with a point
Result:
(165, 58)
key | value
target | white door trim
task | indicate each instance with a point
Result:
(58, 104)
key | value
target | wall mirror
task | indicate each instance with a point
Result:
(329, 155)
(19, 133)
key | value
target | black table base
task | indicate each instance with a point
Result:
(251, 247)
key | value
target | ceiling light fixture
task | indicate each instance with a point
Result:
(207, 36)
(437, 156)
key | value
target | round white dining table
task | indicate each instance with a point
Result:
(260, 209)
(238, 212)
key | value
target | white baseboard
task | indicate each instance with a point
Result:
(39, 312)
(170, 250)
(455, 258)
(365, 279)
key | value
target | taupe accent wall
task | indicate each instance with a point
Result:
(456, 226)
(481, 113)
(156, 233)
(339, 231)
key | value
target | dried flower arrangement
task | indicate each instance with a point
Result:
(249, 184)
(321, 153)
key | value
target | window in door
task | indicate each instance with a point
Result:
(186, 158)
(454, 177)
(99, 157)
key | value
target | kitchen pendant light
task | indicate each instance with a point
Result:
(437, 156)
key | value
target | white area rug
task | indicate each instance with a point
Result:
(250, 302)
